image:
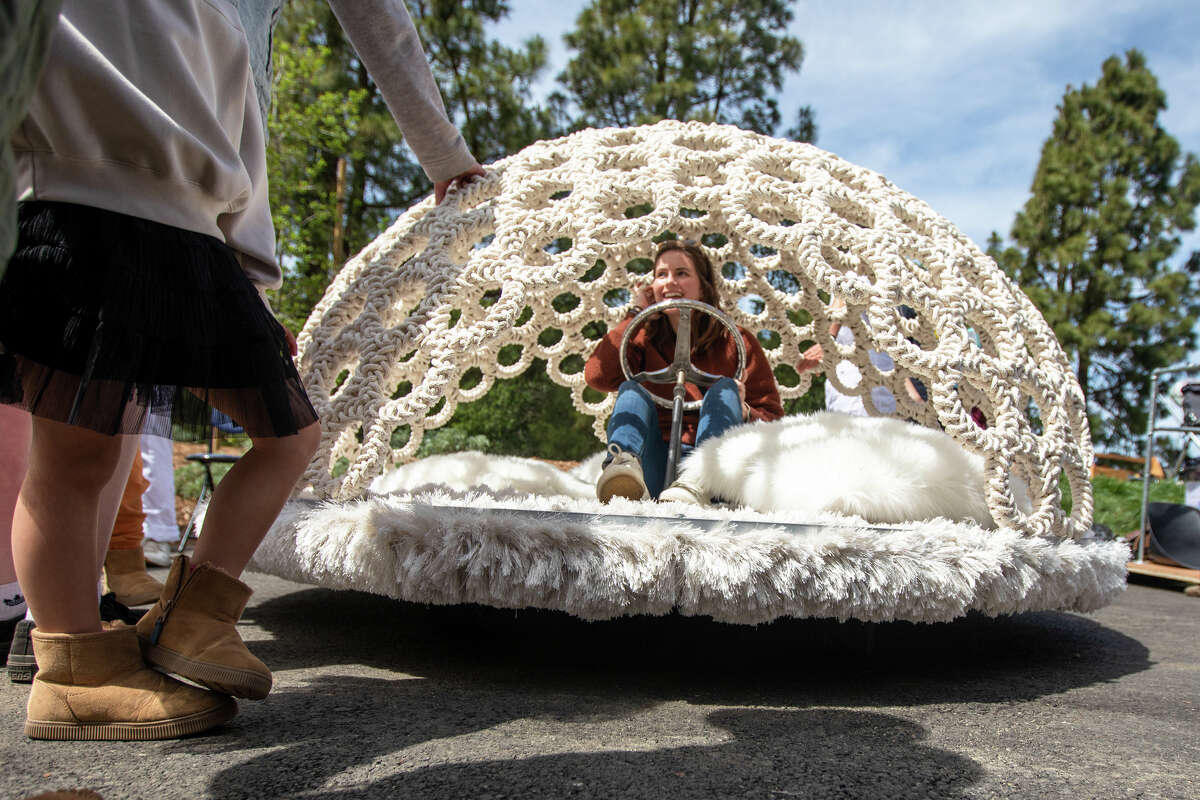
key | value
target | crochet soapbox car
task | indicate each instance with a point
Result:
(828, 515)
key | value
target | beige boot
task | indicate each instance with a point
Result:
(191, 631)
(95, 687)
(125, 575)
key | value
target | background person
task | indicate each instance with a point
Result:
(125, 563)
(639, 430)
(160, 531)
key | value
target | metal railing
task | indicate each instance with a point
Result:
(1151, 430)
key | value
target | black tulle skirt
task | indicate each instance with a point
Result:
(122, 326)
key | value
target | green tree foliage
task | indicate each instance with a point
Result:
(528, 415)
(1111, 195)
(312, 124)
(639, 61)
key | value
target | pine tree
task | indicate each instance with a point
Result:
(639, 61)
(1111, 195)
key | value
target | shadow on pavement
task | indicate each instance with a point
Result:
(464, 676)
(765, 753)
(788, 662)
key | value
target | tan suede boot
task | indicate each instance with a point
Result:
(95, 687)
(125, 575)
(191, 631)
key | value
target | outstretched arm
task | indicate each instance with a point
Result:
(386, 40)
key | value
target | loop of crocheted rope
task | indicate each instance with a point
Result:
(538, 260)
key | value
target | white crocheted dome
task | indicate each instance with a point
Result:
(537, 260)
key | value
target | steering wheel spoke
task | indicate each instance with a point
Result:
(683, 349)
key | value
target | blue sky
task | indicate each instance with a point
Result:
(953, 100)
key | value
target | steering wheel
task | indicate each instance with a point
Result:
(683, 349)
(681, 370)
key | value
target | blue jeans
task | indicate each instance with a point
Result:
(634, 426)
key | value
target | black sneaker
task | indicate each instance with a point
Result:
(6, 631)
(112, 611)
(21, 663)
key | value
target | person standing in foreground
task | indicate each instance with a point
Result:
(134, 301)
(25, 27)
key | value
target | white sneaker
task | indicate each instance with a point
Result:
(683, 492)
(159, 554)
(621, 477)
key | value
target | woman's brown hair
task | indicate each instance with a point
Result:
(707, 332)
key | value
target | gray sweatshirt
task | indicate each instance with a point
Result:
(149, 108)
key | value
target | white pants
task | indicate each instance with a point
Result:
(851, 376)
(159, 500)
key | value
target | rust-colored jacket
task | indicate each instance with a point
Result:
(603, 373)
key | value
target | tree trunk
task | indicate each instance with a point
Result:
(1085, 366)
(339, 215)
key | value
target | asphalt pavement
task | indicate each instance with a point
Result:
(375, 698)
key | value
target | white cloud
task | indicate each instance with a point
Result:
(966, 93)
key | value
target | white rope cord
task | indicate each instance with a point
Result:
(468, 292)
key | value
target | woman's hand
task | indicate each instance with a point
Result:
(810, 358)
(441, 187)
(643, 298)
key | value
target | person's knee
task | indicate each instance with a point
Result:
(723, 392)
(300, 446)
(291, 453)
(309, 441)
(71, 455)
(632, 389)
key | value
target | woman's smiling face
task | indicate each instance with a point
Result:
(675, 277)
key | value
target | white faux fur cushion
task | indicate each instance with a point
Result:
(589, 469)
(474, 470)
(879, 469)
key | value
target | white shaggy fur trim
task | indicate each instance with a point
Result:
(442, 547)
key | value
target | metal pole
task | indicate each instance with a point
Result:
(683, 353)
(1141, 549)
(676, 428)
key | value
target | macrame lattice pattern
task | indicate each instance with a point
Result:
(538, 259)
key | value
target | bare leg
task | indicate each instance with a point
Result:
(250, 496)
(55, 526)
(110, 497)
(15, 425)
